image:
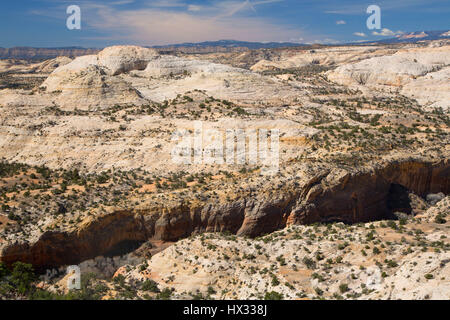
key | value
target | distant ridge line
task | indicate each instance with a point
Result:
(219, 46)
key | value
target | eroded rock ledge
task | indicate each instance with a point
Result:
(92, 239)
(336, 195)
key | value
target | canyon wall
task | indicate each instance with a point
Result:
(93, 238)
(364, 197)
(338, 195)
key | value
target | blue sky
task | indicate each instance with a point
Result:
(42, 23)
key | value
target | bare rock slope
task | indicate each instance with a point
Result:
(420, 73)
(88, 169)
(127, 75)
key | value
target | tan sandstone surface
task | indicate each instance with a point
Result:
(88, 172)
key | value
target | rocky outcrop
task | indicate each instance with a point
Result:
(404, 71)
(335, 56)
(173, 223)
(432, 90)
(51, 65)
(130, 75)
(330, 197)
(336, 196)
(393, 70)
(93, 238)
(172, 66)
(309, 262)
(11, 66)
(122, 59)
(90, 81)
(89, 89)
(365, 197)
(341, 172)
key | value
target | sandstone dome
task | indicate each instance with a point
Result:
(418, 73)
(121, 59)
(51, 65)
(111, 61)
(130, 75)
(92, 82)
(168, 65)
(392, 70)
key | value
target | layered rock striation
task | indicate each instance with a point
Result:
(334, 196)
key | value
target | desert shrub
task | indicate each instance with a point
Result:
(309, 263)
(275, 281)
(22, 277)
(440, 219)
(343, 288)
(150, 285)
(361, 77)
(3, 270)
(165, 294)
(273, 295)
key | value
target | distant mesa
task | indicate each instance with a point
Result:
(202, 47)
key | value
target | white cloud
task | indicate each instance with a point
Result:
(360, 34)
(162, 22)
(385, 32)
(157, 25)
(340, 22)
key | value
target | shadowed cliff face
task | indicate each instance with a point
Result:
(102, 236)
(398, 199)
(369, 196)
(350, 198)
